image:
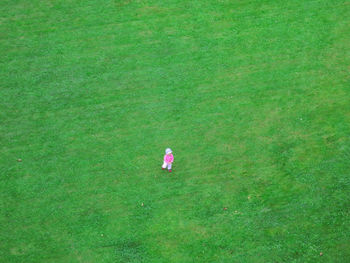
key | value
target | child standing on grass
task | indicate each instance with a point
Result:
(168, 159)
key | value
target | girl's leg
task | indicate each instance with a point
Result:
(169, 166)
(164, 165)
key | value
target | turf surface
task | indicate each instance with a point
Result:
(252, 96)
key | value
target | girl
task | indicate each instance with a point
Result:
(168, 159)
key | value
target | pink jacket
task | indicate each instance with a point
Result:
(168, 158)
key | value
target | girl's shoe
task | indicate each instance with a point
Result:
(169, 171)
(163, 168)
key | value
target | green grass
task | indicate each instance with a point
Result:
(252, 96)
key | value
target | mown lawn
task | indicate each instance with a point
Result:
(253, 96)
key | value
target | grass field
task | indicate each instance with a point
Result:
(253, 96)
